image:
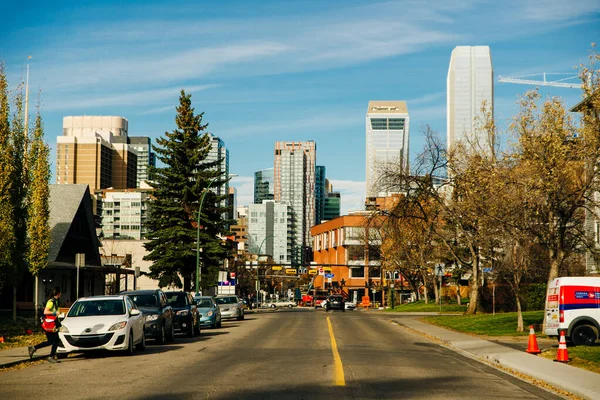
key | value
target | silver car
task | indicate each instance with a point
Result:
(231, 306)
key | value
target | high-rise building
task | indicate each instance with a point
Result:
(264, 185)
(95, 150)
(146, 157)
(232, 201)
(470, 82)
(387, 129)
(332, 203)
(319, 193)
(123, 212)
(295, 185)
(219, 153)
(270, 231)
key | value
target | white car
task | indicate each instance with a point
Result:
(349, 306)
(282, 303)
(102, 323)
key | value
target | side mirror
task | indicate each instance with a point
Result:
(135, 312)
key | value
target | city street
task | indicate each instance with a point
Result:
(277, 354)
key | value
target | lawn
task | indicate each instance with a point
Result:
(501, 324)
(19, 334)
(420, 306)
(585, 357)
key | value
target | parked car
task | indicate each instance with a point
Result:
(187, 318)
(319, 301)
(349, 306)
(282, 303)
(231, 306)
(210, 313)
(102, 323)
(335, 302)
(158, 313)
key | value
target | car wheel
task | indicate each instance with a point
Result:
(272, 306)
(220, 323)
(161, 339)
(141, 346)
(192, 331)
(129, 351)
(583, 335)
(171, 337)
(290, 306)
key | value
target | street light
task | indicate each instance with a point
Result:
(198, 269)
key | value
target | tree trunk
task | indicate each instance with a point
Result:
(425, 289)
(458, 298)
(14, 304)
(519, 315)
(555, 261)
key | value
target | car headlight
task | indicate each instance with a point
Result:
(118, 325)
(63, 329)
(234, 307)
(183, 312)
(209, 314)
(152, 317)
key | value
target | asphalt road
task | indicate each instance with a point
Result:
(285, 354)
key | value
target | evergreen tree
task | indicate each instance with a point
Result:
(178, 188)
(7, 236)
(38, 227)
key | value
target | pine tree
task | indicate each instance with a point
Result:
(178, 188)
(38, 227)
(7, 236)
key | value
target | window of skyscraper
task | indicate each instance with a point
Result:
(378, 123)
(396, 123)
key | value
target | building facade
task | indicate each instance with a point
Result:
(146, 157)
(264, 185)
(270, 230)
(470, 82)
(123, 213)
(332, 207)
(95, 150)
(320, 192)
(294, 174)
(387, 143)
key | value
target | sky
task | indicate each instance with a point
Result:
(266, 71)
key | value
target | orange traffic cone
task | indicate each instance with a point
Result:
(532, 346)
(563, 354)
(1, 338)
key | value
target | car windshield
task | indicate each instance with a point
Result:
(226, 300)
(176, 299)
(205, 303)
(97, 307)
(144, 300)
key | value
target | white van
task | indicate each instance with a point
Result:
(573, 305)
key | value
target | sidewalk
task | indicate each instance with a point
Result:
(579, 382)
(20, 354)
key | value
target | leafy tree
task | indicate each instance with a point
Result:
(38, 227)
(178, 190)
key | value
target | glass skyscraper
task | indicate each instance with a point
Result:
(319, 194)
(264, 185)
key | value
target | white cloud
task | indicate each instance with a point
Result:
(245, 189)
(353, 194)
(560, 10)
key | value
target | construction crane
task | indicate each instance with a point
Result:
(544, 82)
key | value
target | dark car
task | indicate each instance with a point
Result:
(335, 302)
(157, 312)
(187, 319)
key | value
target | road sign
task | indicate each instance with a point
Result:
(290, 271)
(328, 275)
(313, 271)
(276, 268)
(439, 269)
(327, 269)
(321, 271)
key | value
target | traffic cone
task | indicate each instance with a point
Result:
(532, 346)
(1, 338)
(563, 354)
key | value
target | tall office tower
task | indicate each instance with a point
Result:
(387, 143)
(219, 153)
(146, 157)
(264, 185)
(295, 185)
(319, 193)
(95, 150)
(232, 201)
(269, 230)
(332, 203)
(470, 82)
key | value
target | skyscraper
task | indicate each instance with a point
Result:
(295, 185)
(332, 202)
(146, 157)
(219, 153)
(96, 150)
(470, 82)
(387, 137)
(264, 185)
(319, 193)
(268, 230)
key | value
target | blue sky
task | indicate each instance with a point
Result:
(264, 71)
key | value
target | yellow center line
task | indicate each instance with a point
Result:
(338, 372)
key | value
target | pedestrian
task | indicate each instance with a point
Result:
(250, 301)
(51, 337)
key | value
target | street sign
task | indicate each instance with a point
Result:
(313, 271)
(439, 269)
(327, 269)
(276, 268)
(290, 271)
(321, 271)
(329, 275)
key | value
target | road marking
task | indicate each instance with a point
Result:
(338, 372)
